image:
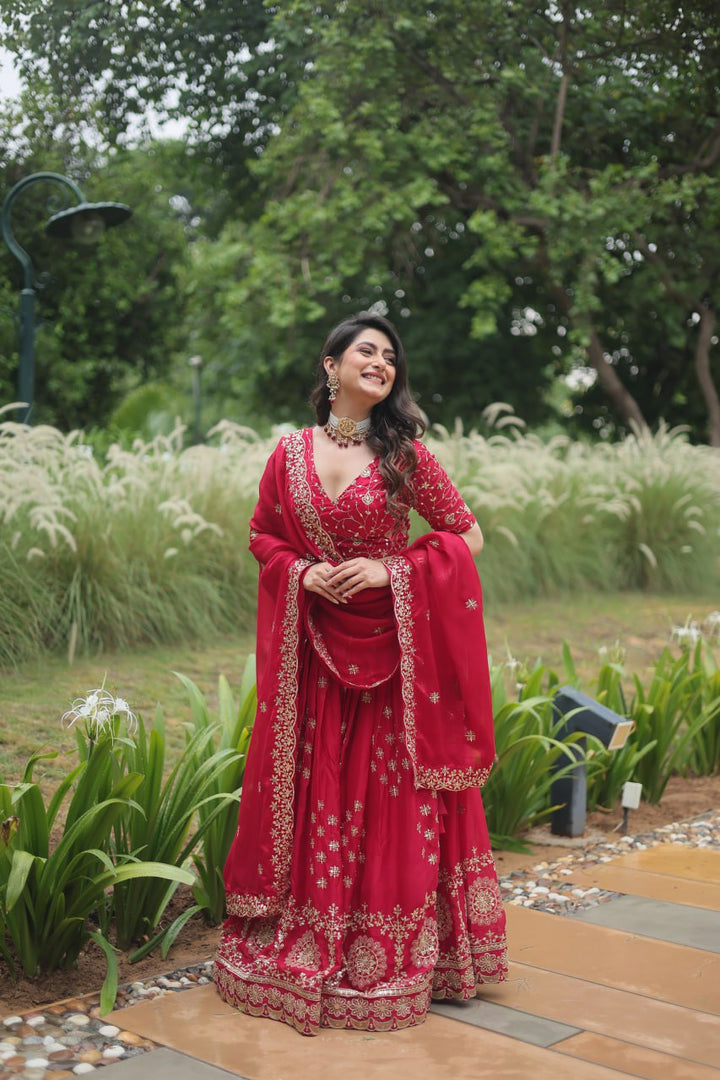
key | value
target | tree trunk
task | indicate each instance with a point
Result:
(704, 374)
(622, 400)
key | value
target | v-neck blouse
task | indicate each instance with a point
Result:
(359, 522)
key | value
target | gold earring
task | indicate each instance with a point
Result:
(333, 385)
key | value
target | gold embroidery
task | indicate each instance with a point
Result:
(366, 962)
(484, 901)
(305, 952)
(301, 492)
(424, 949)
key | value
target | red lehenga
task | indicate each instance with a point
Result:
(360, 883)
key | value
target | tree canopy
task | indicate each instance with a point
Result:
(523, 186)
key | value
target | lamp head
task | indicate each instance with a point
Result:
(86, 222)
(584, 714)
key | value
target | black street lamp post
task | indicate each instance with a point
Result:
(83, 222)
(196, 363)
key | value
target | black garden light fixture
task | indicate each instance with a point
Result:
(581, 713)
(82, 222)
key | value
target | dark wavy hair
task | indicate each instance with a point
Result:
(396, 421)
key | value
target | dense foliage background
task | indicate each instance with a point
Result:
(530, 190)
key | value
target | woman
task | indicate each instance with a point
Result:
(360, 883)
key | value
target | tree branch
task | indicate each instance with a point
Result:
(563, 90)
(706, 328)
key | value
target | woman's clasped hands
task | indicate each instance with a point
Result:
(338, 584)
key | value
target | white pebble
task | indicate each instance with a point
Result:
(541, 890)
(83, 1067)
(528, 903)
(557, 898)
(37, 1063)
(109, 1031)
(113, 1052)
(35, 1021)
(12, 1021)
(77, 1020)
(517, 900)
(51, 1045)
(565, 871)
(578, 892)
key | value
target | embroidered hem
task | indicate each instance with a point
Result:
(307, 1010)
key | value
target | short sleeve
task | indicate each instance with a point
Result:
(435, 497)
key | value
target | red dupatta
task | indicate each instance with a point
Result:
(428, 625)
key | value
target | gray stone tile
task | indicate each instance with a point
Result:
(679, 923)
(165, 1064)
(519, 1025)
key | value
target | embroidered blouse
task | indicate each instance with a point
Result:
(358, 521)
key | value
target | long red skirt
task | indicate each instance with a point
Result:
(393, 895)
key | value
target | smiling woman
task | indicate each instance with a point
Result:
(361, 882)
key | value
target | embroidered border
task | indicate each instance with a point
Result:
(451, 779)
(399, 570)
(444, 777)
(296, 448)
(307, 1011)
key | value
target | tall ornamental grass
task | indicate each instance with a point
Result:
(150, 544)
(643, 513)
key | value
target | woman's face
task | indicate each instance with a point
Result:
(366, 369)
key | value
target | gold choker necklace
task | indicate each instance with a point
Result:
(347, 432)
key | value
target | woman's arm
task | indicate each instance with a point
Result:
(474, 539)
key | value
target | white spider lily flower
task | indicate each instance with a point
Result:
(97, 711)
(686, 635)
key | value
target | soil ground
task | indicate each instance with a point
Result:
(684, 799)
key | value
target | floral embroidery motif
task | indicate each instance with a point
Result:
(424, 949)
(260, 934)
(471, 604)
(366, 962)
(305, 952)
(484, 901)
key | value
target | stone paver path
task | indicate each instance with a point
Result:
(598, 993)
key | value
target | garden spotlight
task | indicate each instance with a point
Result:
(581, 713)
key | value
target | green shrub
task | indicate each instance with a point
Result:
(234, 726)
(173, 807)
(47, 895)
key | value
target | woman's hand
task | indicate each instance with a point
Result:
(351, 577)
(315, 579)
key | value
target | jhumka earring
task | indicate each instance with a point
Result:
(333, 385)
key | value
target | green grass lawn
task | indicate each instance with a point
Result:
(34, 697)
